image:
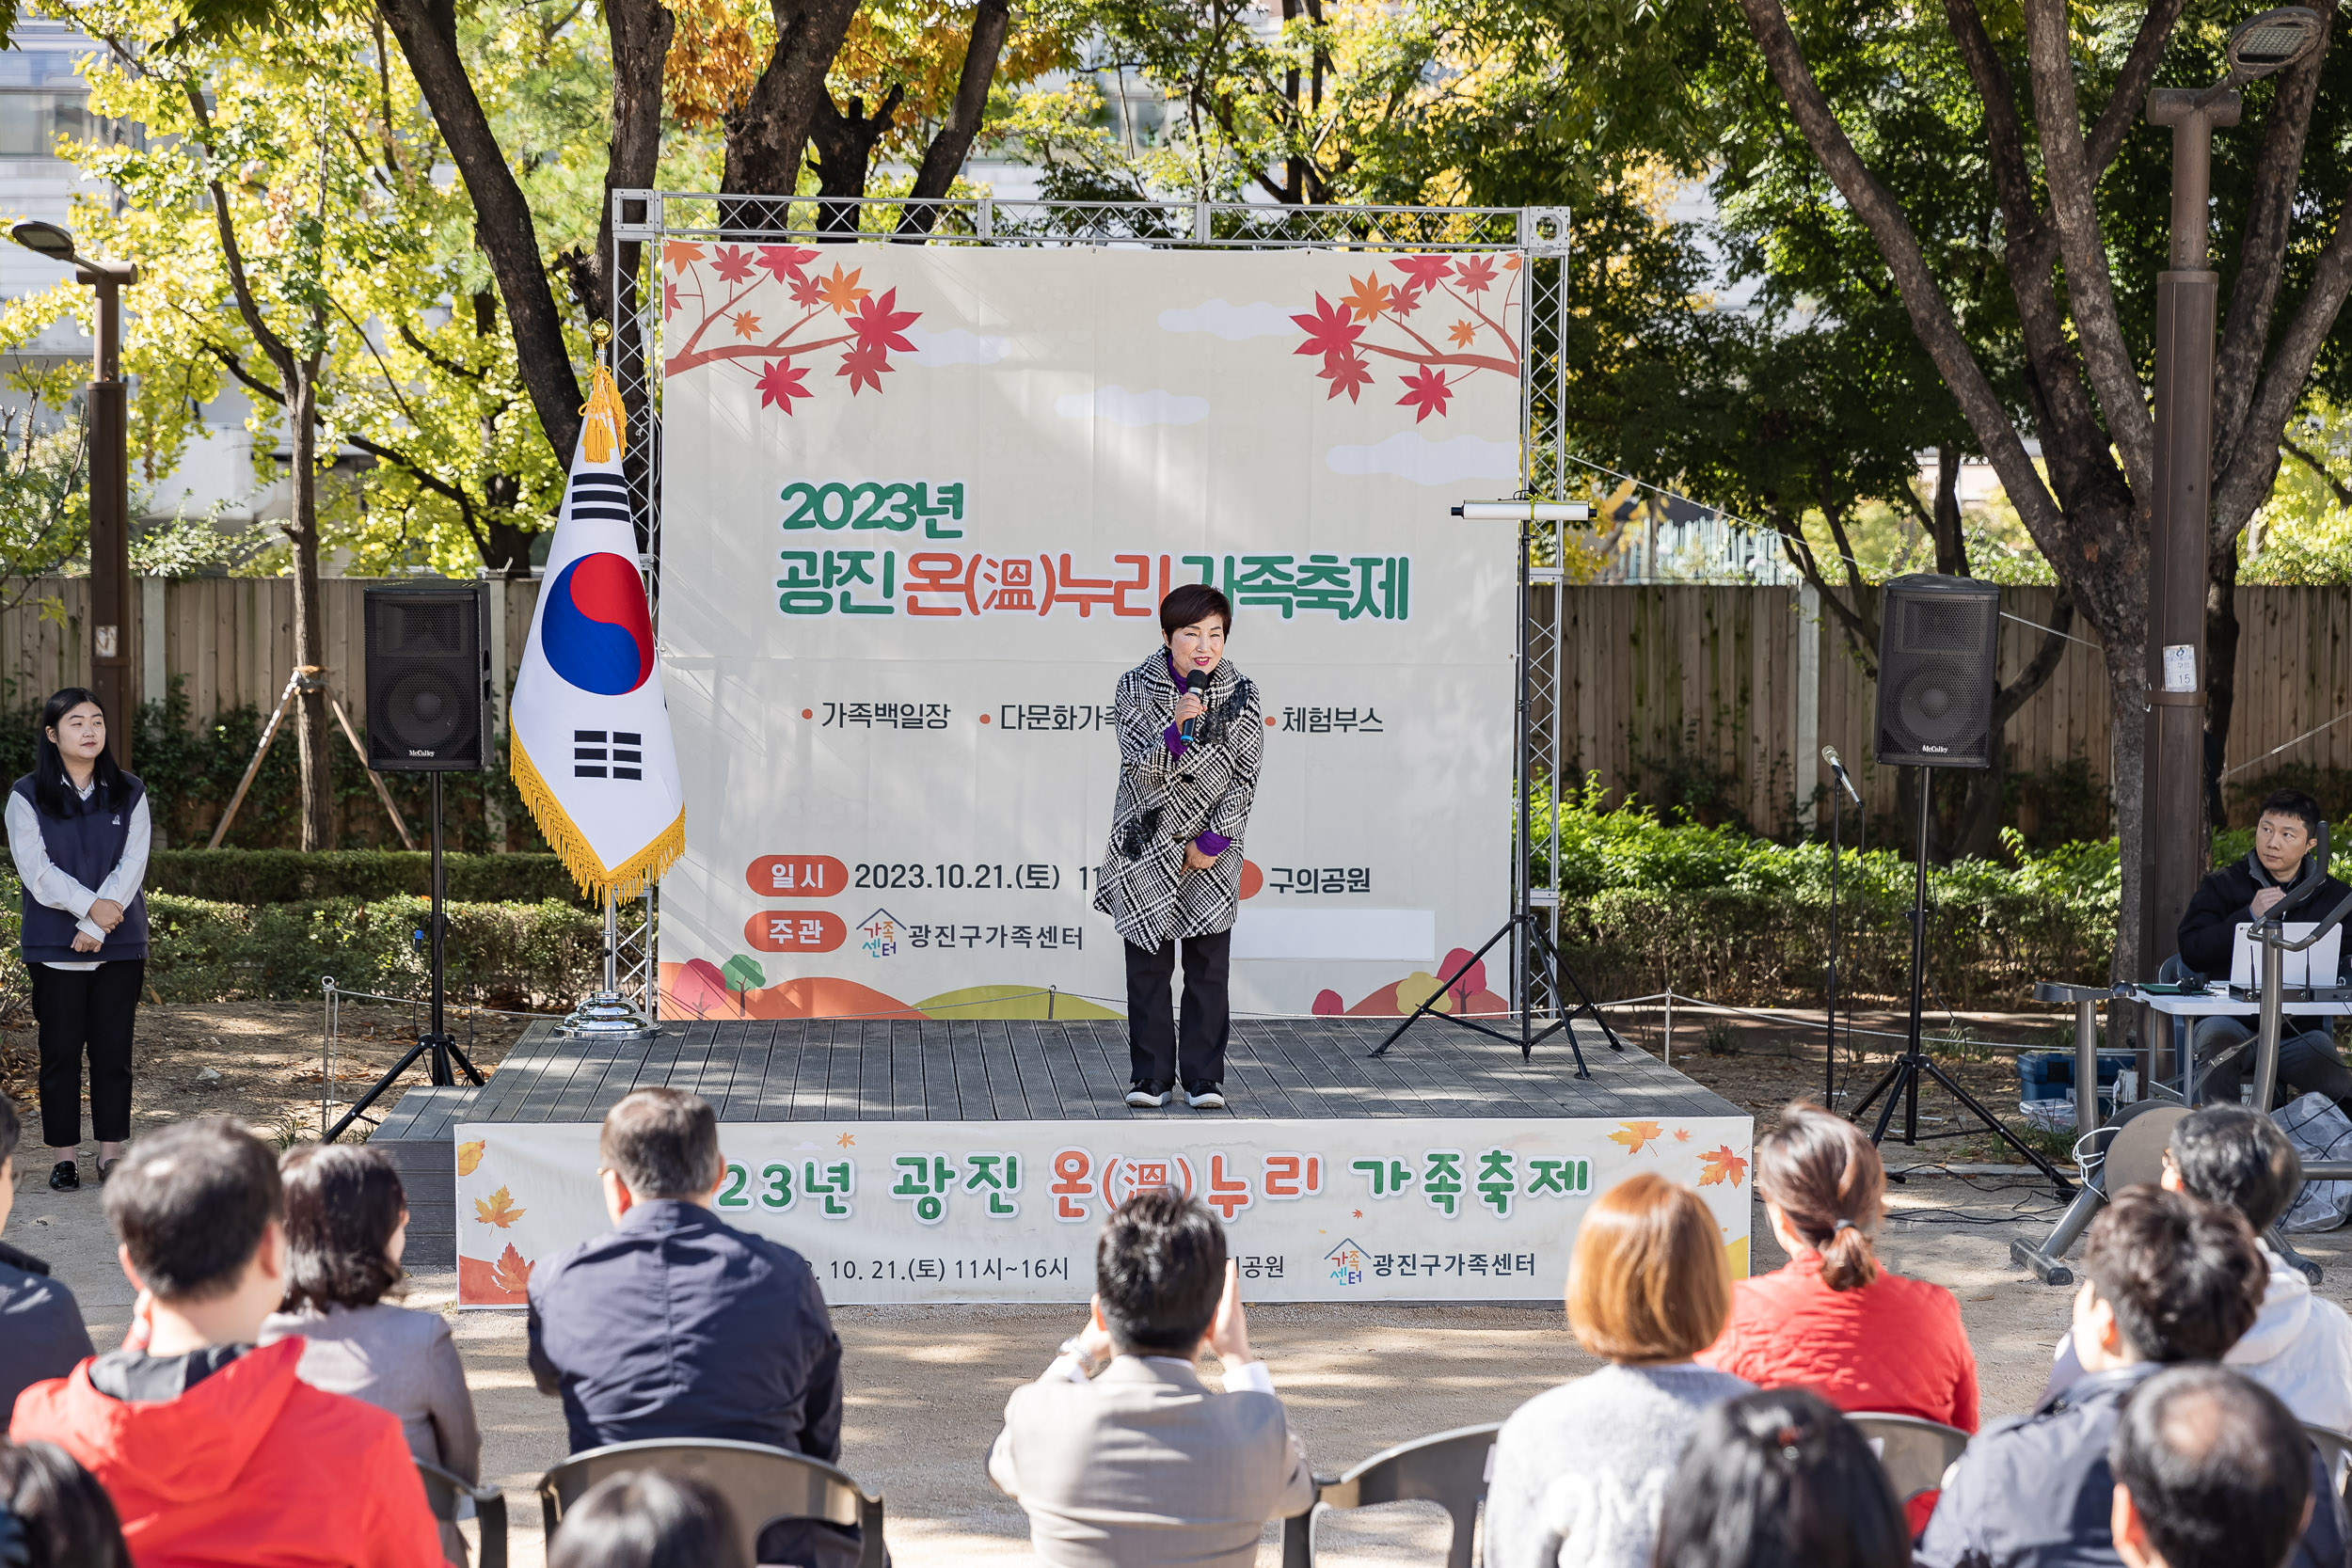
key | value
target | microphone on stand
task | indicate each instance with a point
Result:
(1829, 755)
(1196, 680)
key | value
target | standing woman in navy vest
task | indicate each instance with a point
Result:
(78, 828)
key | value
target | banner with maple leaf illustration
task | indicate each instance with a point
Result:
(1435, 1209)
(920, 505)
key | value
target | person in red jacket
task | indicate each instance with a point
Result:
(215, 1454)
(1833, 1319)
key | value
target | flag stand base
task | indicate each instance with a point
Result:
(607, 1014)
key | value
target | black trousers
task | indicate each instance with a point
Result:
(86, 1010)
(1157, 1052)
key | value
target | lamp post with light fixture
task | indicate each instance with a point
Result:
(109, 483)
(2173, 844)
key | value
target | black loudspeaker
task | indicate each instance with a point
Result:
(1938, 639)
(428, 678)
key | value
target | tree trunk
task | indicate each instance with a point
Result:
(767, 133)
(302, 531)
(2221, 634)
(953, 144)
(1951, 544)
(845, 158)
(427, 30)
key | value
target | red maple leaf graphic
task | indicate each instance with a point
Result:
(779, 383)
(1329, 330)
(1426, 272)
(1476, 274)
(1346, 373)
(1720, 1166)
(669, 299)
(1405, 302)
(877, 322)
(807, 290)
(784, 261)
(733, 263)
(1427, 393)
(864, 364)
(512, 1272)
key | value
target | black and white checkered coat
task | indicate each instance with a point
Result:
(1165, 803)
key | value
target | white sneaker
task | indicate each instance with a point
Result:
(1144, 1099)
(1206, 1099)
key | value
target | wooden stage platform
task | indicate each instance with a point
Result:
(840, 1070)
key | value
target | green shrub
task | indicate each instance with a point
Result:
(286, 875)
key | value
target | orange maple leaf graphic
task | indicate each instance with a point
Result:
(1682, 1135)
(1369, 298)
(746, 324)
(1636, 1136)
(676, 254)
(512, 1272)
(1719, 1165)
(498, 1208)
(1463, 333)
(846, 1140)
(470, 1156)
(841, 291)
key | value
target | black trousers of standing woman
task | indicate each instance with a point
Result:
(1154, 1050)
(86, 1010)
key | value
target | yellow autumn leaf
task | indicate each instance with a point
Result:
(1636, 1136)
(469, 1155)
(498, 1208)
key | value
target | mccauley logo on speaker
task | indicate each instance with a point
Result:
(1925, 747)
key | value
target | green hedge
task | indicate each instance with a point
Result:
(287, 876)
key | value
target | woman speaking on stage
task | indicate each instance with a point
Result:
(1190, 740)
(79, 831)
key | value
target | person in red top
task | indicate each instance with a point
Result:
(1833, 1319)
(214, 1452)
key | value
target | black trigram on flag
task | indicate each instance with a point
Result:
(591, 754)
(600, 495)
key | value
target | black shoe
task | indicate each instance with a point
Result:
(66, 1178)
(1145, 1097)
(1204, 1097)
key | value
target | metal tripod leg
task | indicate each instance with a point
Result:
(2048, 1261)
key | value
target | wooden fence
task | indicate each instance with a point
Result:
(1658, 682)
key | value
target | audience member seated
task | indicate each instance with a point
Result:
(2300, 1346)
(645, 1519)
(346, 1226)
(42, 1335)
(1833, 1319)
(2211, 1471)
(1581, 1472)
(1120, 1455)
(2236, 894)
(2170, 1279)
(215, 1451)
(675, 1325)
(1780, 1479)
(56, 1512)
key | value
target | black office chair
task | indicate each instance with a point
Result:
(1450, 1469)
(445, 1493)
(761, 1485)
(1914, 1452)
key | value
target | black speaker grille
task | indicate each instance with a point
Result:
(1938, 643)
(425, 679)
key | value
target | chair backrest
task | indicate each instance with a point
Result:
(1915, 1453)
(761, 1485)
(1450, 1469)
(446, 1495)
(2336, 1449)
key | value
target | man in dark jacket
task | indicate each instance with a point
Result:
(42, 1335)
(2236, 894)
(675, 1325)
(2171, 1279)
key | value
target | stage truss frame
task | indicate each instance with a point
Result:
(642, 220)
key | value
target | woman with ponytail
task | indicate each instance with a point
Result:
(1833, 1320)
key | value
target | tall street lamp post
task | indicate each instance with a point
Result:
(2174, 832)
(109, 483)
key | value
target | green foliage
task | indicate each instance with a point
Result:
(289, 875)
(1744, 920)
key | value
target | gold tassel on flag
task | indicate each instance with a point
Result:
(604, 420)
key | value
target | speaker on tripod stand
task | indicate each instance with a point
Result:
(1939, 643)
(428, 684)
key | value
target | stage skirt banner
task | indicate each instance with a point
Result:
(1008, 1212)
(919, 507)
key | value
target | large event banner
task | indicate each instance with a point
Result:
(919, 507)
(1436, 1210)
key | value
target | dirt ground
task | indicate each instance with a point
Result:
(928, 1384)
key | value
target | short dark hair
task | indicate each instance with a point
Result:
(1160, 1270)
(1780, 1479)
(2218, 1469)
(2237, 1156)
(2292, 802)
(192, 1203)
(10, 1129)
(67, 1518)
(2183, 1275)
(662, 1142)
(644, 1519)
(1191, 604)
(343, 1201)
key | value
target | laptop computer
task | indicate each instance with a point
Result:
(2316, 965)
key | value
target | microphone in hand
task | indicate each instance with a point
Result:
(1195, 683)
(1829, 755)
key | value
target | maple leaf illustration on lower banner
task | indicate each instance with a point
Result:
(498, 1208)
(1637, 1136)
(511, 1272)
(470, 1156)
(1719, 1165)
